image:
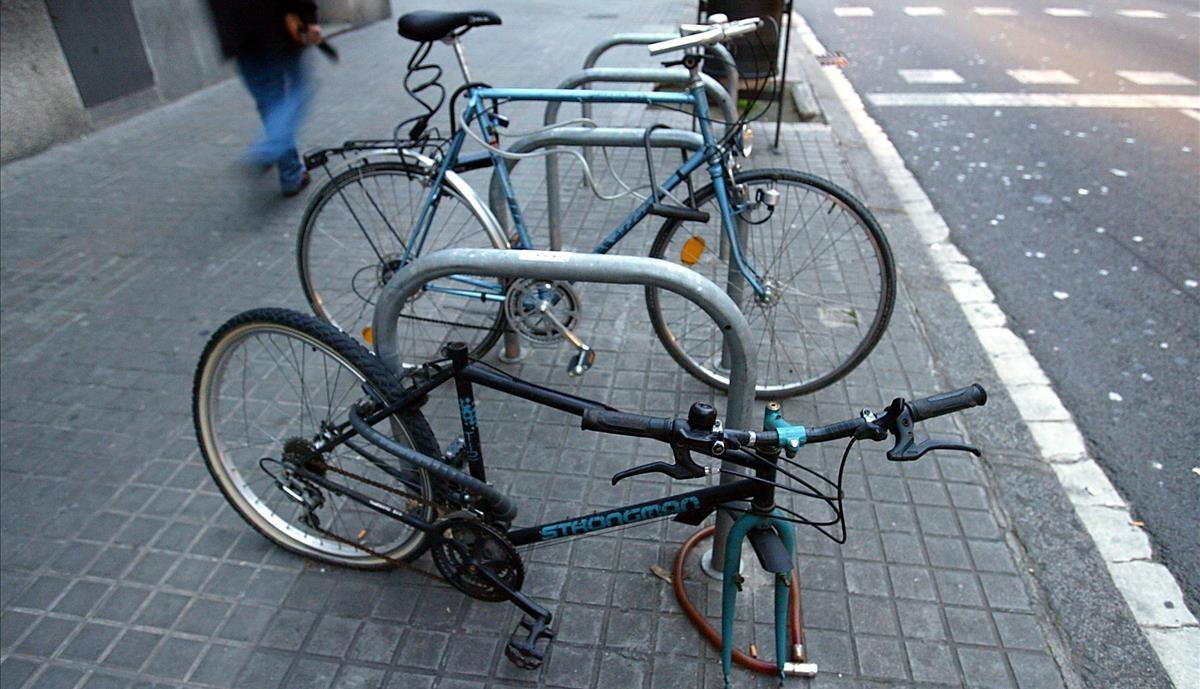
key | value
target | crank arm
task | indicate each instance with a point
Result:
(525, 603)
(563, 329)
(581, 362)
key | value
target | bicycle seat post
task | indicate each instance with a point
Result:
(452, 39)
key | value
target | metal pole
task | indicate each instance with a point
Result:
(782, 83)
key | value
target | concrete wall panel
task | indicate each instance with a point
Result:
(354, 11)
(39, 103)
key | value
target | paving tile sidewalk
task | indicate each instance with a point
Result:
(121, 565)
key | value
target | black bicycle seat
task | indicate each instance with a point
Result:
(430, 25)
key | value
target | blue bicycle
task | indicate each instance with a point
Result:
(805, 260)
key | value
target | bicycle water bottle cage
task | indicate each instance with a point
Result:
(906, 448)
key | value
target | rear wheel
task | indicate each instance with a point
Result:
(355, 236)
(269, 384)
(827, 266)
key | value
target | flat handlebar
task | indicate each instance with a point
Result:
(658, 428)
(717, 34)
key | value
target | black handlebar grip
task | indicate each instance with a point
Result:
(621, 423)
(948, 402)
(833, 431)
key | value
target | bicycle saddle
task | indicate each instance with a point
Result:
(430, 25)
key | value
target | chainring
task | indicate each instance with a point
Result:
(526, 302)
(462, 543)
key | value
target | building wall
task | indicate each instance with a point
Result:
(39, 100)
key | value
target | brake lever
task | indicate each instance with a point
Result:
(683, 468)
(906, 449)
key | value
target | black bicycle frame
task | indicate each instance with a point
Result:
(690, 507)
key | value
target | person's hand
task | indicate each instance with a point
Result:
(312, 34)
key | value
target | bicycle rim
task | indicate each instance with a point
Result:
(353, 240)
(268, 383)
(826, 263)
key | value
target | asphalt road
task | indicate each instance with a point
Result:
(1085, 220)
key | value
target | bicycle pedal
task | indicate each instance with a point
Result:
(581, 362)
(529, 642)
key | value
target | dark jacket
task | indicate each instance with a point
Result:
(255, 27)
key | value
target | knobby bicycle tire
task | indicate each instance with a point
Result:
(409, 426)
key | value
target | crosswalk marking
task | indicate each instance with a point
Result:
(854, 11)
(1042, 76)
(1037, 100)
(1154, 78)
(1067, 12)
(930, 76)
(924, 11)
(1194, 114)
(999, 11)
(1142, 14)
(995, 11)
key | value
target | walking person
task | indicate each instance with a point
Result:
(267, 38)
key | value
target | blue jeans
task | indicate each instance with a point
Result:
(279, 84)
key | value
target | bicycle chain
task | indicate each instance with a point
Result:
(437, 321)
(321, 465)
(396, 562)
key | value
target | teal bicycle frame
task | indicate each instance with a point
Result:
(478, 111)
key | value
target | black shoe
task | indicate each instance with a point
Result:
(304, 180)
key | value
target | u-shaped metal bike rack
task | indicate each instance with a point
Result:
(574, 136)
(603, 268)
(722, 53)
(615, 137)
(625, 75)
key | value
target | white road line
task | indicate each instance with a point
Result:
(924, 11)
(1067, 12)
(1154, 78)
(995, 11)
(854, 11)
(1035, 100)
(930, 76)
(1142, 14)
(1147, 586)
(1042, 76)
(1194, 114)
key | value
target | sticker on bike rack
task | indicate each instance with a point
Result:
(544, 256)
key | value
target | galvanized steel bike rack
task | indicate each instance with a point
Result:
(626, 75)
(726, 58)
(603, 268)
(616, 137)
(722, 53)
